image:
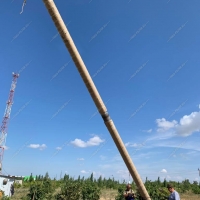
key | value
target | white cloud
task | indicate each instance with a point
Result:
(106, 166)
(117, 158)
(34, 146)
(102, 157)
(164, 171)
(58, 148)
(164, 125)
(123, 174)
(147, 131)
(38, 146)
(176, 144)
(98, 174)
(187, 125)
(129, 144)
(169, 177)
(94, 141)
(84, 172)
(80, 159)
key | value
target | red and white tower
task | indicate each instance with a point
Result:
(6, 117)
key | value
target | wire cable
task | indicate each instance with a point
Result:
(24, 3)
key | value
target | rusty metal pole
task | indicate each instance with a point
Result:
(62, 29)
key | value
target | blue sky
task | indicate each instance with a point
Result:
(144, 60)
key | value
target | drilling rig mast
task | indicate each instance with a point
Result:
(6, 117)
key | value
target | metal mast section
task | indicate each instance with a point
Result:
(62, 29)
(4, 126)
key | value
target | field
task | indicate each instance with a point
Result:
(68, 188)
(106, 194)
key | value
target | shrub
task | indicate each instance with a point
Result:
(69, 191)
(120, 195)
(90, 191)
(40, 190)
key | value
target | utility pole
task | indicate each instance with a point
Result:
(62, 29)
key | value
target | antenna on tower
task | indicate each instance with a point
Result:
(6, 117)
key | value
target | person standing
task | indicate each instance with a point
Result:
(174, 194)
(128, 193)
(12, 189)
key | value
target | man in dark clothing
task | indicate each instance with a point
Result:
(128, 193)
(12, 189)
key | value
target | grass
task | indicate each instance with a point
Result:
(19, 193)
(190, 196)
(108, 194)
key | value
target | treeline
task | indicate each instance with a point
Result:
(69, 188)
(158, 189)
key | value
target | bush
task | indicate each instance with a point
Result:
(36, 192)
(69, 191)
(40, 190)
(17, 185)
(120, 195)
(90, 191)
(196, 190)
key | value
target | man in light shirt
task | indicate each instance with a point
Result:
(128, 193)
(174, 194)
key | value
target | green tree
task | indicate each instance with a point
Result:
(46, 177)
(99, 181)
(90, 191)
(195, 183)
(79, 178)
(31, 178)
(92, 177)
(165, 183)
(158, 181)
(71, 190)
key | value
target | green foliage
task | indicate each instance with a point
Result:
(165, 183)
(92, 177)
(17, 185)
(155, 192)
(5, 198)
(43, 188)
(90, 191)
(120, 195)
(46, 177)
(69, 191)
(40, 190)
(31, 179)
(196, 189)
(36, 192)
(78, 189)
